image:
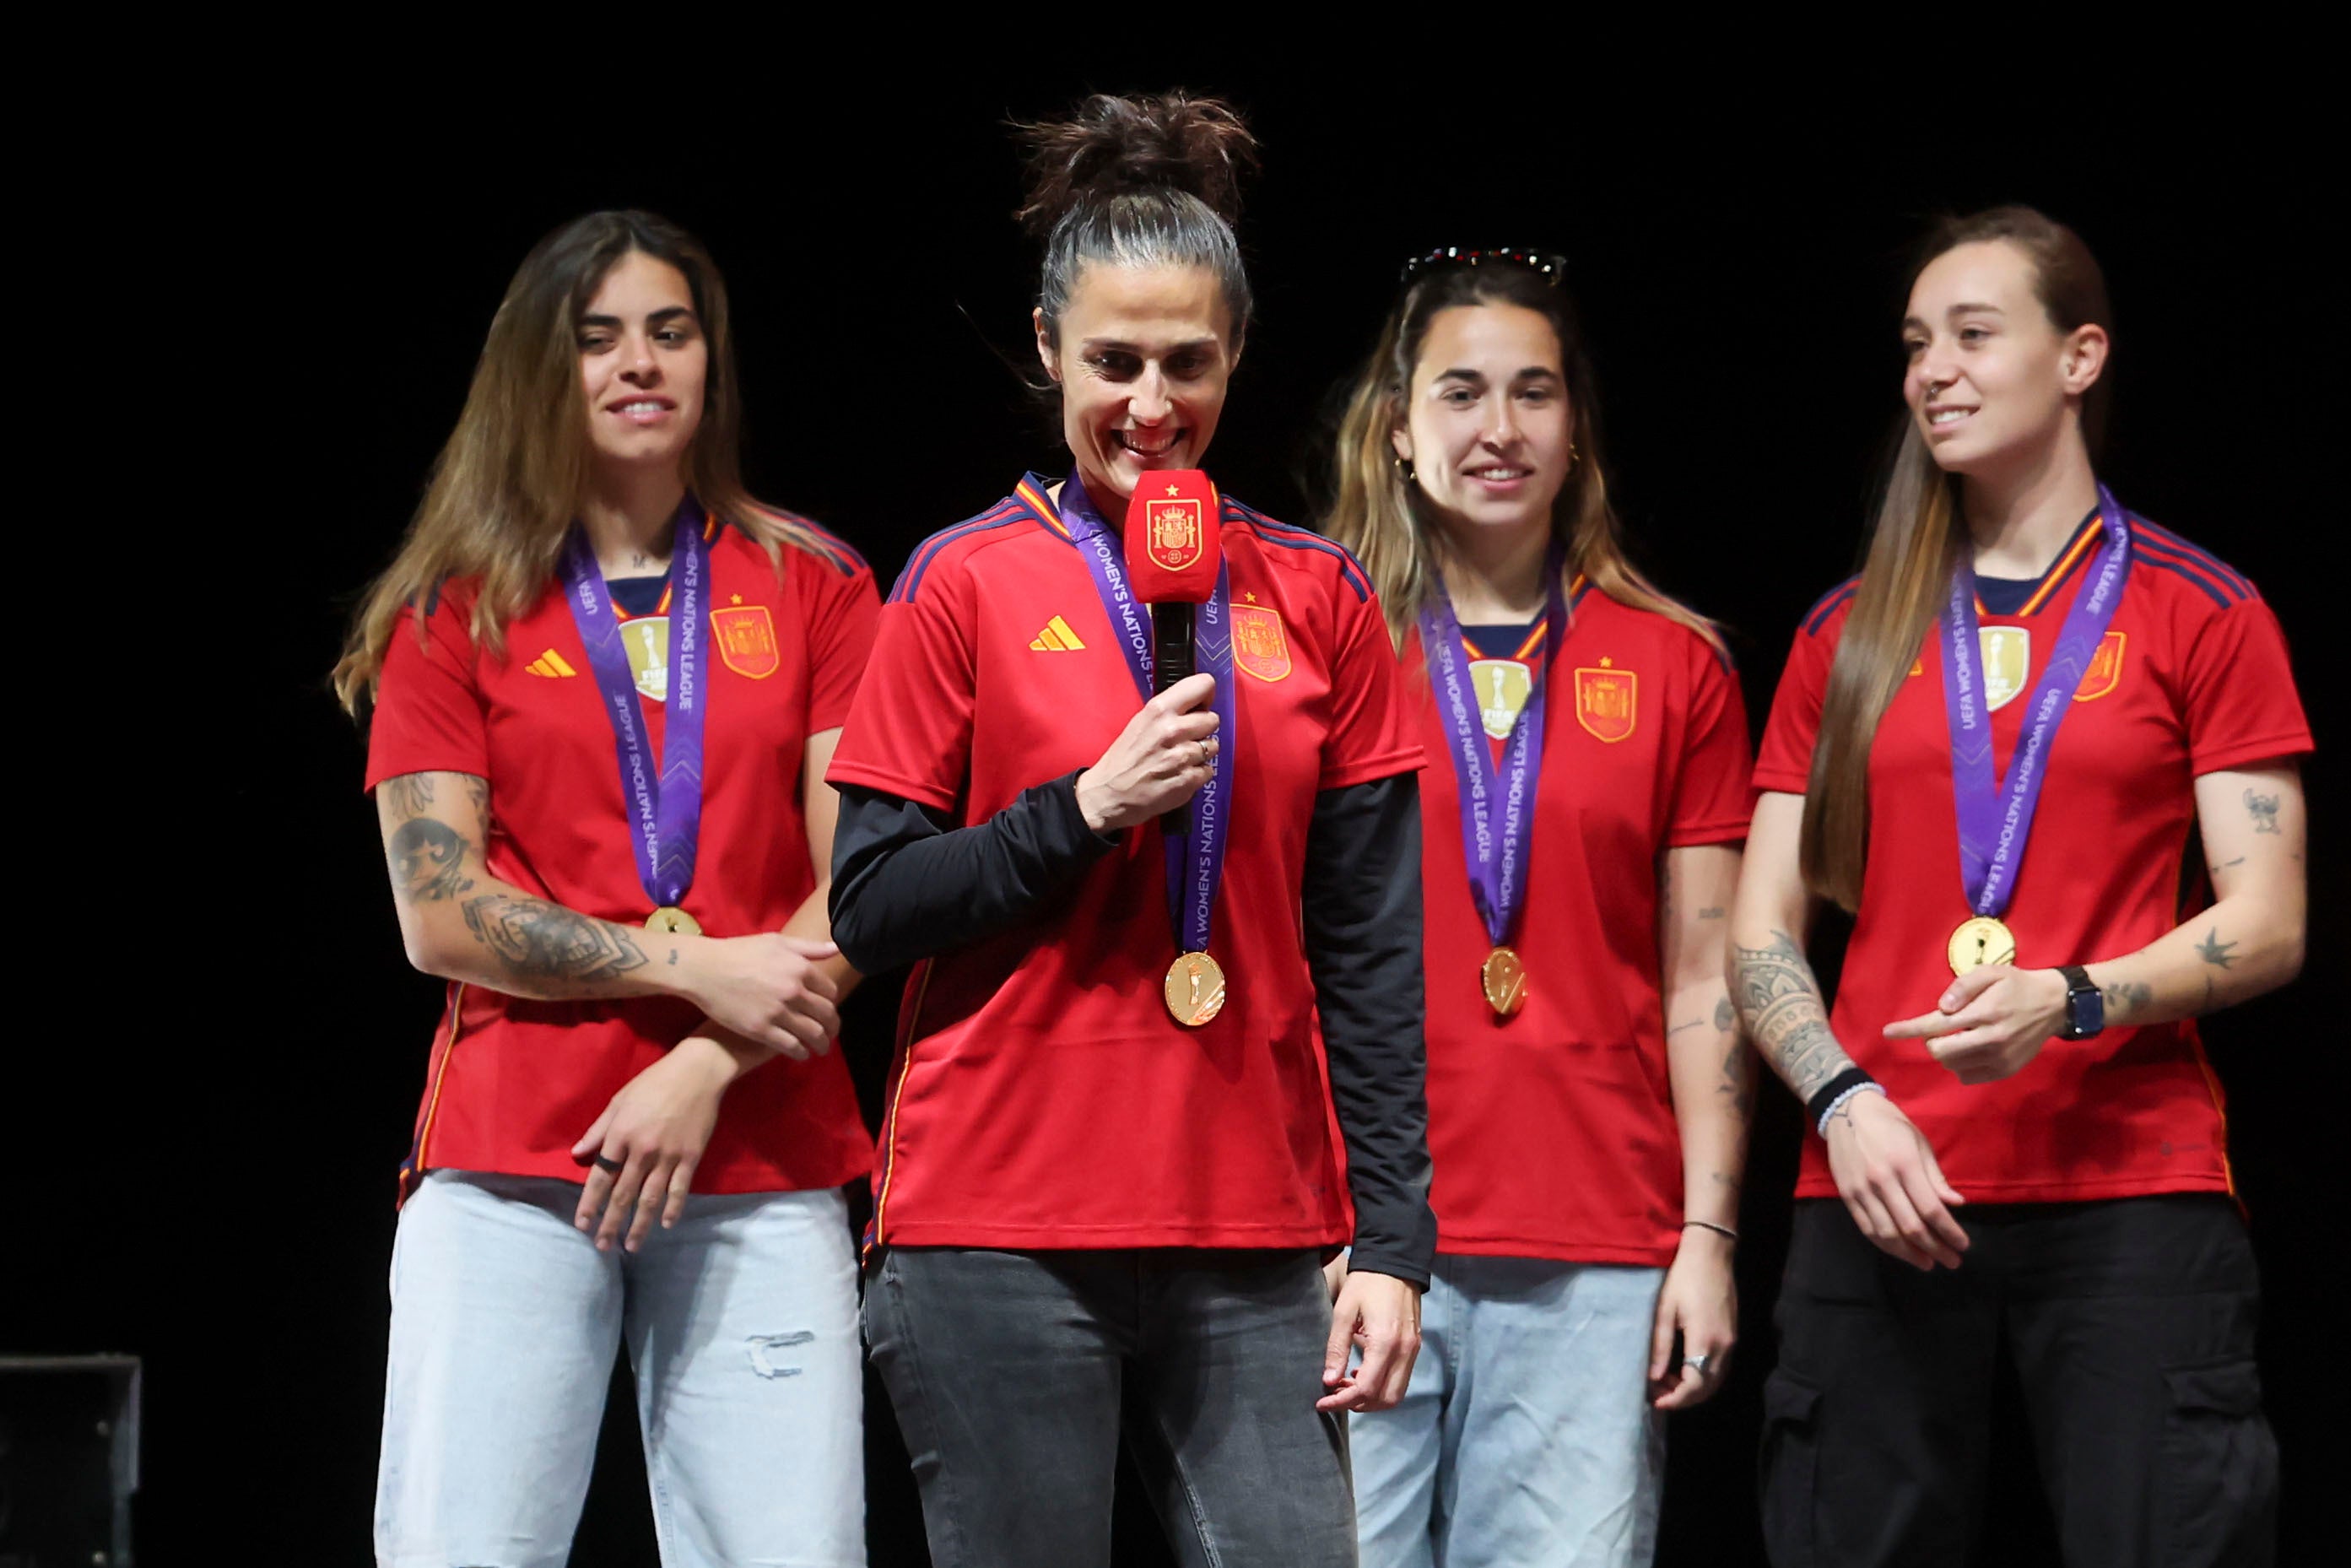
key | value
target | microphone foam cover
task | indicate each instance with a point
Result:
(1173, 543)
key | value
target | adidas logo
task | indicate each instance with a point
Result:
(550, 664)
(1056, 638)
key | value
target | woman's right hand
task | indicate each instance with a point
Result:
(1159, 761)
(769, 989)
(1891, 1183)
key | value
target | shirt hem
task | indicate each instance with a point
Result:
(1075, 1238)
(1394, 765)
(2280, 747)
(922, 794)
(1722, 833)
(705, 1183)
(1550, 1251)
(1762, 783)
(1980, 1193)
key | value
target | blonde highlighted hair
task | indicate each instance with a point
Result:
(1913, 547)
(514, 474)
(1380, 513)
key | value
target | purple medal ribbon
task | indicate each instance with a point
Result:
(665, 811)
(1996, 816)
(1196, 858)
(1497, 852)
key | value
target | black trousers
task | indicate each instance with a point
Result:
(2130, 1321)
(1015, 1375)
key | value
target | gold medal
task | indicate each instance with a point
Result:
(1505, 980)
(1195, 990)
(1980, 941)
(675, 921)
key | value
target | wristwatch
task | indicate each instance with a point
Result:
(2085, 1010)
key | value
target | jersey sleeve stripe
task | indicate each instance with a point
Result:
(1825, 606)
(2153, 541)
(1005, 511)
(2159, 563)
(1291, 537)
(841, 553)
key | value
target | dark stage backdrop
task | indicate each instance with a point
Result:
(210, 1186)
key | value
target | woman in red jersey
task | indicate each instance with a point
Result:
(606, 684)
(1588, 1092)
(1101, 1205)
(2052, 697)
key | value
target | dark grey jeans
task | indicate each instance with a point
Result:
(1013, 1374)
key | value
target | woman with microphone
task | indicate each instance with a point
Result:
(1107, 1177)
(605, 684)
(1996, 746)
(1588, 1090)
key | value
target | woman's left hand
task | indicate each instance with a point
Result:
(1700, 1302)
(1989, 1021)
(647, 1144)
(1380, 1313)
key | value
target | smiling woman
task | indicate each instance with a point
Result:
(594, 673)
(1101, 1205)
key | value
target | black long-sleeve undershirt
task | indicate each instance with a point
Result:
(907, 884)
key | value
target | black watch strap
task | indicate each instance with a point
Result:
(2085, 1007)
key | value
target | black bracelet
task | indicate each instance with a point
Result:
(1825, 1096)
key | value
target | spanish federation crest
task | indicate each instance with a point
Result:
(745, 635)
(2106, 669)
(1259, 645)
(1607, 700)
(1173, 537)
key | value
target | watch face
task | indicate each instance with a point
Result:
(2085, 1010)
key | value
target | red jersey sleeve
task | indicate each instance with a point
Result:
(1710, 800)
(909, 726)
(843, 612)
(429, 716)
(1370, 734)
(1785, 762)
(2236, 689)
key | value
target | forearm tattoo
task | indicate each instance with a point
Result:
(2125, 997)
(1781, 1002)
(428, 861)
(410, 794)
(546, 942)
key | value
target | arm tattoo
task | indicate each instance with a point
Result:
(2123, 998)
(544, 941)
(1712, 912)
(410, 794)
(1725, 1015)
(2264, 812)
(428, 861)
(1694, 1023)
(2214, 951)
(1781, 1002)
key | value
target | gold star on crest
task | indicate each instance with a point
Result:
(734, 599)
(1172, 492)
(1606, 661)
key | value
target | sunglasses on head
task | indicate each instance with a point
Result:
(1551, 267)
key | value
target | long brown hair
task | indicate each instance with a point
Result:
(1913, 547)
(514, 472)
(1380, 514)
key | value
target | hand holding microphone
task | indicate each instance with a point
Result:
(1175, 551)
(1158, 763)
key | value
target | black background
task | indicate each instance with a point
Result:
(205, 1143)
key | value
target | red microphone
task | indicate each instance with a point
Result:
(1173, 551)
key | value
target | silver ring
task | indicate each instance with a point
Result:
(1696, 1363)
(1207, 757)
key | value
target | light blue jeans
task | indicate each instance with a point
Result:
(1525, 1438)
(741, 1324)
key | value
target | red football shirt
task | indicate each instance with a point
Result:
(2191, 678)
(513, 1084)
(1041, 1096)
(1552, 1133)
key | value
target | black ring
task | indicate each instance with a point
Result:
(607, 1162)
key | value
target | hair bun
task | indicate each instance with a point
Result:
(1111, 146)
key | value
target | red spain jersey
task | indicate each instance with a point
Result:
(513, 1084)
(2190, 678)
(1552, 1133)
(1041, 1096)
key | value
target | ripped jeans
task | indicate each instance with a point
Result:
(741, 1324)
